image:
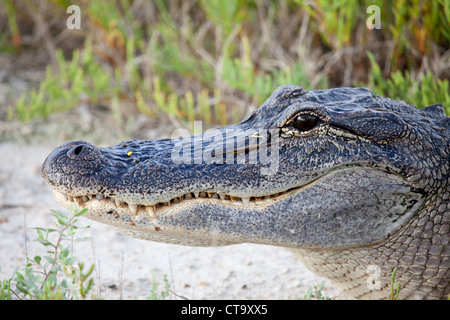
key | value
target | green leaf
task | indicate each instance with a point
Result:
(22, 288)
(322, 286)
(70, 261)
(81, 212)
(82, 239)
(44, 242)
(50, 259)
(308, 295)
(46, 230)
(62, 219)
(64, 253)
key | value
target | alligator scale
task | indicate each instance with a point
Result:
(352, 183)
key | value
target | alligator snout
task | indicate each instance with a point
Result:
(64, 165)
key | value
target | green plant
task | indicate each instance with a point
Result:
(242, 74)
(411, 27)
(5, 289)
(421, 90)
(393, 295)
(335, 20)
(56, 275)
(317, 293)
(418, 24)
(79, 80)
(13, 27)
(163, 293)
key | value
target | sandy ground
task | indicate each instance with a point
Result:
(126, 267)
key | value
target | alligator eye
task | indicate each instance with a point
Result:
(305, 122)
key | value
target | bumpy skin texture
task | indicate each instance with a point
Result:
(352, 183)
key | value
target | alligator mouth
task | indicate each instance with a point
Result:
(116, 205)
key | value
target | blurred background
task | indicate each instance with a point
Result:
(137, 65)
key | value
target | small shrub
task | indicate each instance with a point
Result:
(315, 293)
(57, 275)
(161, 294)
(422, 90)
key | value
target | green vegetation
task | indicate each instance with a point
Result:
(394, 295)
(315, 293)
(159, 294)
(58, 275)
(216, 60)
(422, 92)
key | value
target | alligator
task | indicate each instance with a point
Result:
(354, 184)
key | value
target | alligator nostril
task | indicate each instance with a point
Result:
(82, 151)
(78, 150)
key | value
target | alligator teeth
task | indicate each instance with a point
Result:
(59, 194)
(133, 208)
(213, 195)
(78, 200)
(151, 210)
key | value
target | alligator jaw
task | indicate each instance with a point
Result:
(154, 222)
(324, 212)
(97, 203)
(151, 222)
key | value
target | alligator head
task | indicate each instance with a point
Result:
(344, 178)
